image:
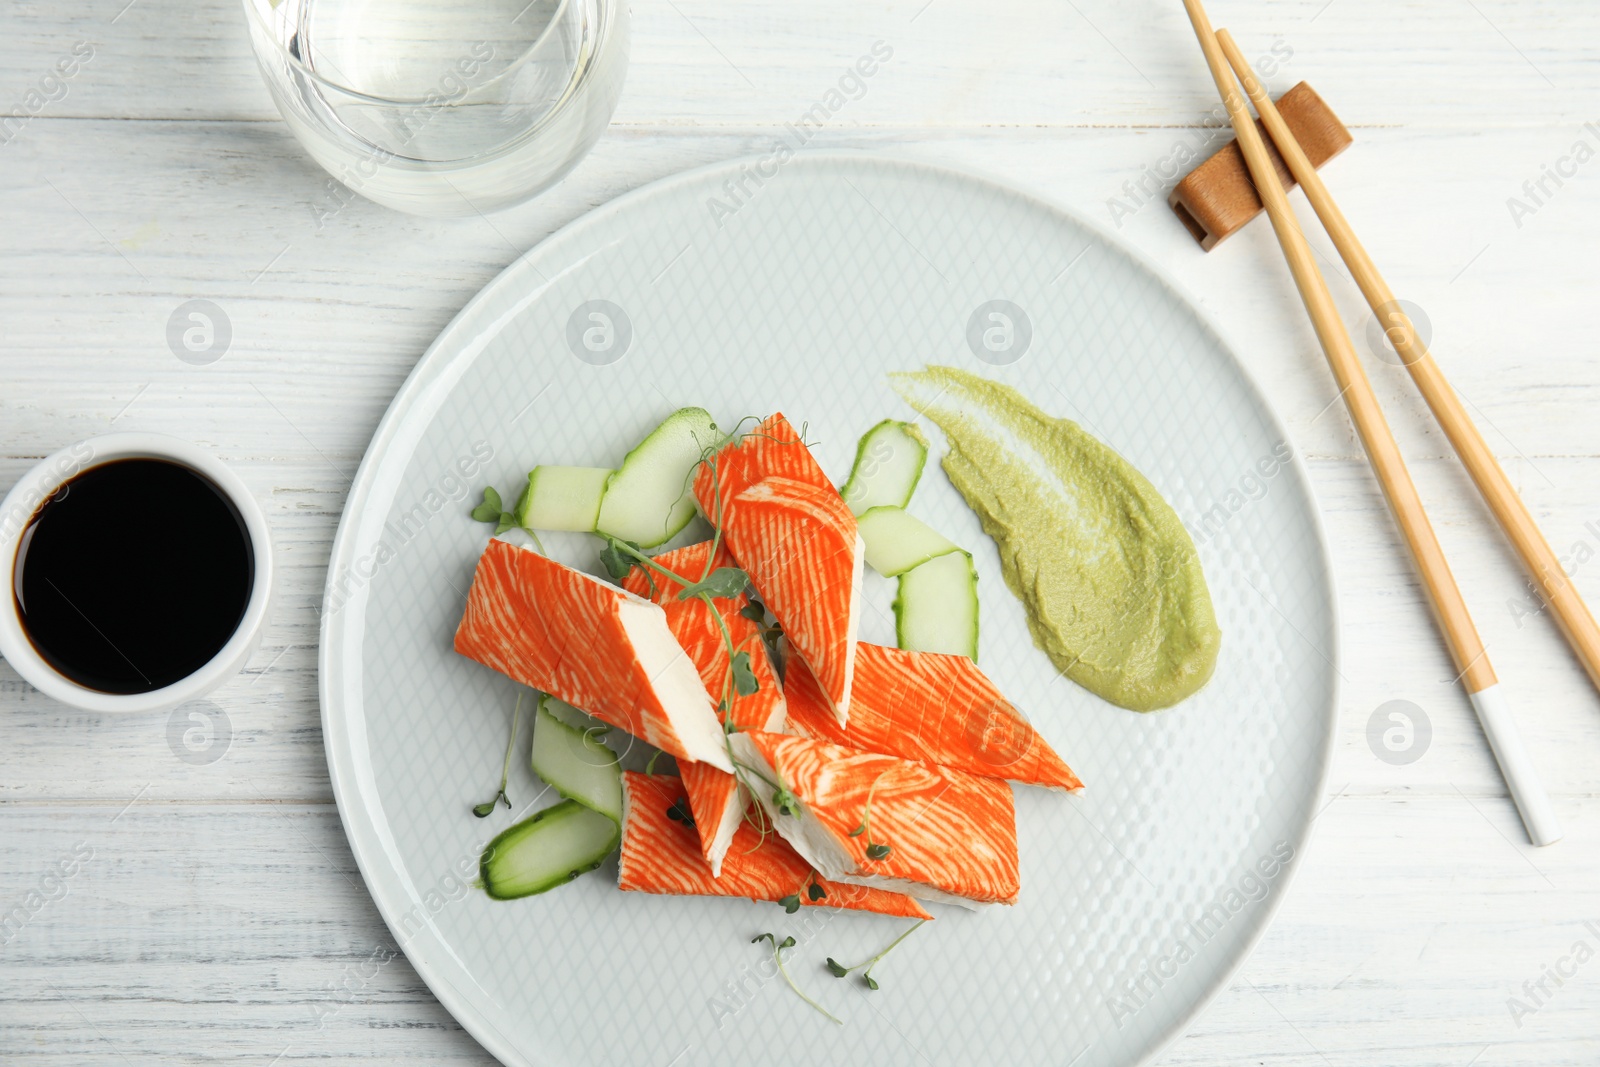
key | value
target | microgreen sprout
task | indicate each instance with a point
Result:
(708, 457)
(777, 956)
(756, 612)
(839, 970)
(742, 680)
(492, 510)
(680, 812)
(724, 583)
(482, 810)
(876, 850)
(620, 557)
(785, 801)
(650, 764)
(808, 885)
(616, 559)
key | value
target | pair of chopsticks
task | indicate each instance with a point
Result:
(1450, 610)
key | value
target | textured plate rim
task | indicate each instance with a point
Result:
(357, 820)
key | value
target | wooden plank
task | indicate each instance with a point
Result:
(1012, 63)
(185, 934)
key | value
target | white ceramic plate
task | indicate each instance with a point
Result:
(750, 287)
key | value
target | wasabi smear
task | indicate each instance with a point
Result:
(1108, 574)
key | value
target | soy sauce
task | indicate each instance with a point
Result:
(133, 575)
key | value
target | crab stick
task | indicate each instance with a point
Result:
(932, 707)
(662, 855)
(715, 797)
(592, 645)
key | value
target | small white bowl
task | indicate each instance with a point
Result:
(40, 483)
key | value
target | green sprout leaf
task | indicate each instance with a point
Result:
(791, 903)
(507, 521)
(875, 851)
(680, 812)
(491, 508)
(816, 892)
(744, 677)
(616, 558)
(723, 583)
(839, 970)
(482, 810)
(755, 612)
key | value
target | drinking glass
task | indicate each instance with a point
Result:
(443, 107)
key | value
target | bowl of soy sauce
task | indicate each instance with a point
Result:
(138, 569)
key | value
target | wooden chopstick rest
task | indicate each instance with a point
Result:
(1217, 197)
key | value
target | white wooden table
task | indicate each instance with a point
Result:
(212, 911)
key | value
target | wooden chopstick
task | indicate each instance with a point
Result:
(1450, 609)
(1557, 590)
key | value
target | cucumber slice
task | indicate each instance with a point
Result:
(888, 464)
(898, 541)
(547, 849)
(647, 499)
(566, 713)
(936, 607)
(576, 764)
(562, 498)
